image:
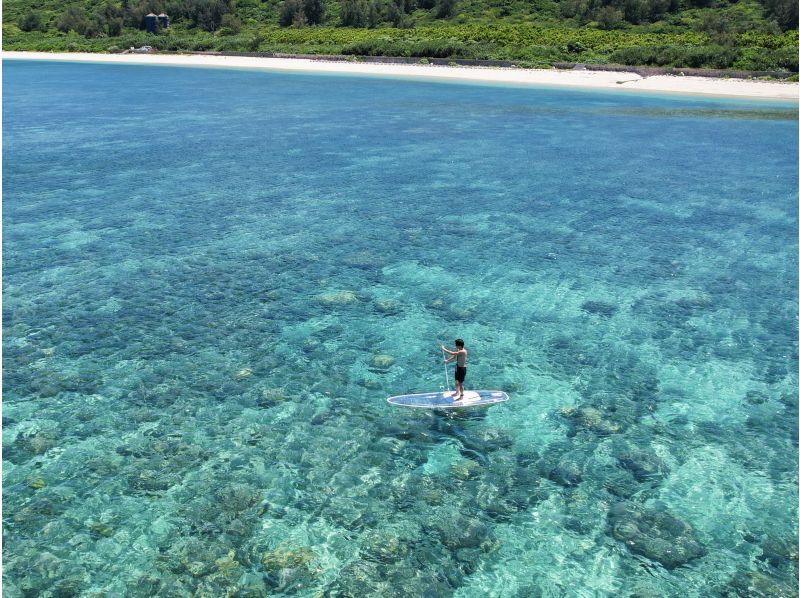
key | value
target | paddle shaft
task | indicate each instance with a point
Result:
(446, 375)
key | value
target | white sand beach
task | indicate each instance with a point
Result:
(704, 86)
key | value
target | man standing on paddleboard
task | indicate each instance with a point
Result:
(460, 357)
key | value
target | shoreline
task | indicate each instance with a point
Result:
(577, 79)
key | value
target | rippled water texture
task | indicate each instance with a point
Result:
(213, 280)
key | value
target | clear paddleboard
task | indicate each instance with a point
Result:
(444, 400)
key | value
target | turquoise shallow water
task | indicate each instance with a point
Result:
(213, 279)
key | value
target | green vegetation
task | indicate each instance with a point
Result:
(758, 35)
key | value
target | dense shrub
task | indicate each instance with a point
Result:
(785, 13)
(761, 59)
(114, 27)
(438, 49)
(410, 48)
(395, 14)
(714, 57)
(301, 12)
(374, 47)
(354, 13)
(231, 24)
(639, 55)
(31, 22)
(289, 9)
(207, 14)
(445, 8)
(314, 11)
(73, 19)
(710, 56)
(609, 17)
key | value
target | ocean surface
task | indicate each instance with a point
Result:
(213, 279)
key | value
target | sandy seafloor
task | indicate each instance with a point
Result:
(213, 278)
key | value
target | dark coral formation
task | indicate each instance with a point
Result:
(655, 534)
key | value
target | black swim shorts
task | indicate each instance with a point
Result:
(461, 373)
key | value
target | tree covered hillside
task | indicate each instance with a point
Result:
(759, 35)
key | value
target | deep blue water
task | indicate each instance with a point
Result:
(213, 279)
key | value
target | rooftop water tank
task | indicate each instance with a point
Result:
(150, 23)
